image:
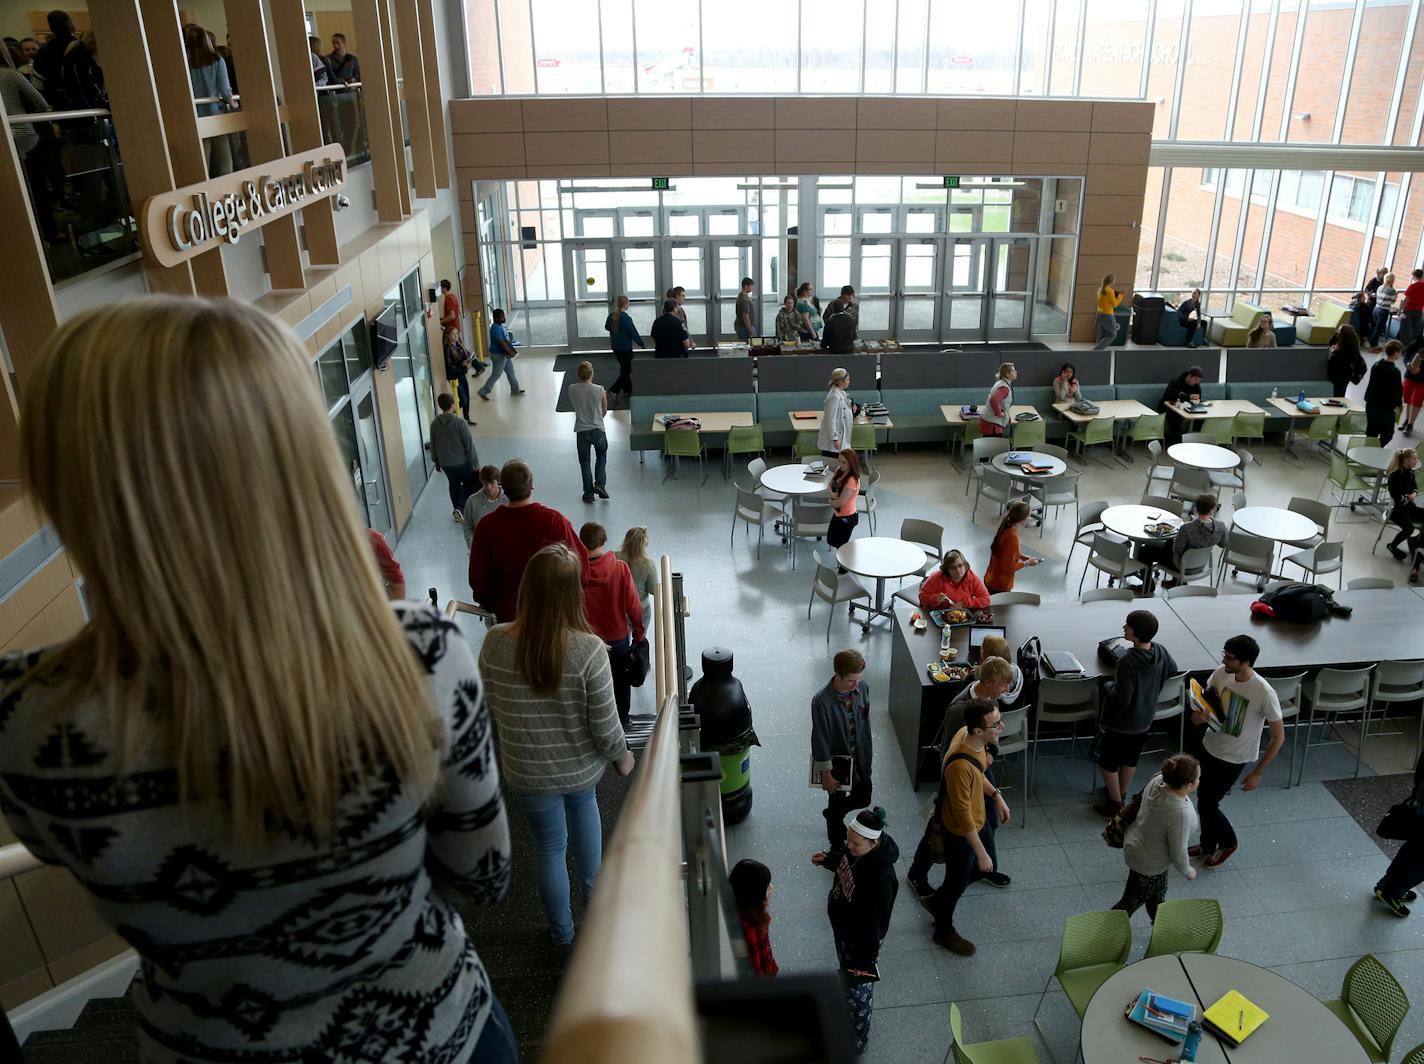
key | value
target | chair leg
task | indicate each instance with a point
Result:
(811, 601)
(1305, 751)
(1364, 735)
(830, 616)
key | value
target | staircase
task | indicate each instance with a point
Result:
(105, 1033)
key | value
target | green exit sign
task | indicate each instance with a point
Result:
(951, 182)
(662, 184)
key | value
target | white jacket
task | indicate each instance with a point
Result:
(836, 421)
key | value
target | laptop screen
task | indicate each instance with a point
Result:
(980, 632)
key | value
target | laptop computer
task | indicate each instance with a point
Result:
(980, 632)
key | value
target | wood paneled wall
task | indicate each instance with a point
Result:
(1104, 142)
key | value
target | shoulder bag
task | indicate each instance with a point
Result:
(638, 664)
(1402, 822)
(935, 830)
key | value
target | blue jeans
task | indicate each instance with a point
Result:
(742, 332)
(1381, 325)
(552, 819)
(496, 1044)
(596, 439)
(502, 365)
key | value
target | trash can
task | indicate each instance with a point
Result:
(1147, 311)
(727, 730)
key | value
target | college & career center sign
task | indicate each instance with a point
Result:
(189, 221)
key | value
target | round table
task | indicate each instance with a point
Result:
(792, 480)
(1131, 520)
(1373, 458)
(1003, 465)
(1272, 522)
(1204, 456)
(1300, 1027)
(881, 557)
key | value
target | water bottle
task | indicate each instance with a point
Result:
(1274, 392)
(944, 647)
(1189, 1047)
(1301, 397)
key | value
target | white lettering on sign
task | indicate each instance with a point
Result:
(200, 217)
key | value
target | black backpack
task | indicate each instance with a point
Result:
(1299, 603)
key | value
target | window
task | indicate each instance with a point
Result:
(1352, 197)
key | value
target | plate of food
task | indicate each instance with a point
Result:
(1161, 530)
(942, 672)
(954, 616)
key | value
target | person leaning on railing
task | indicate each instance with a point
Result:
(271, 783)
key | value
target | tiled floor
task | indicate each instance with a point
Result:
(1296, 896)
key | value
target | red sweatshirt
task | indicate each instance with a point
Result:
(610, 600)
(505, 539)
(969, 592)
(1413, 296)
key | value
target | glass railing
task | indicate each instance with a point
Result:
(343, 120)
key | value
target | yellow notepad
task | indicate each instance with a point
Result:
(1234, 1017)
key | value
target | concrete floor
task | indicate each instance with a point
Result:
(1297, 897)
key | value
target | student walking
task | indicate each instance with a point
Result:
(502, 356)
(840, 741)
(844, 490)
(645, 574)
(837, 417)
(1406, 870)
(752, 887)
(745, 324)
(453, 449)
(1229, 739)
(1411, 324)
(1006, 558)
(1344, 365)
(1384, 394)
(551, 694)
(622, 335)
(1383, 300)
(1157, 840)
(490, 497)
(998, 409)
(1108, 301)
(1128, 705)
(1402, 483)
(861, 901)
(1413, 359)
(611, 603)
(590, 403)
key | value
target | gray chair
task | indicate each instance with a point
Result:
(1063, 701)
(1200, 437)
(1317, 512)
(1172, 702)
(1111, 556)
(1396, 681)
(996, 487)
(1090, 523)
(1014, 740)
(926, 534)
(1238, 501)
(1107, 594)
(1232, 479)
(985, 449)
(1061, 453)
(1319, 560)
(1369, 583)
(756, 467)
(1332, 692)
(1245, 553)
(1188, 483)
(1195, 565)
(808, 521)
(866, 503)
(1059, 492)
(1189, 591)
(1156, 468)
(1175, 507)
(752, 509)
(1015, 598)
(834, 588)
(1288, 691)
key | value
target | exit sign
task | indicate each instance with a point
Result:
(951, 182)
(661, 184)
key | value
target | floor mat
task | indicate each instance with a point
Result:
(605, 372)
(1368, 799)
(512, 938)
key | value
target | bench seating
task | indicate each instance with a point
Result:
(1232, 331)
(1318, 329)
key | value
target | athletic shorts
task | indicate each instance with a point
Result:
(1116, 750)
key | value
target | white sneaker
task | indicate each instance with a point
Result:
(459, 517)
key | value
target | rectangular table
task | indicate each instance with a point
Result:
(1117, 409)
(1217, 408)
(1289, 409)
(1383, 627)
(955, 416)
(917, 703)
(716, 421)
(813, 423)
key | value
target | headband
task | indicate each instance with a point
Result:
(863, 830)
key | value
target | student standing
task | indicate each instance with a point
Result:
(344, 66)
(1413, 358)
(490, 497)
(745, 324)
(1411, 324)
(645, 574)
(1366, 302)
(838, 335)
(808, 317)
(1406, 870)
(1005, 556)
(502, 356)
(845, 303)
(449, 309)
(861, 901)
(840, 728)
(1248, 705)
(787, 328)
(1400, 478)
(1345, 365)
(1383, 300)
(752, 887)
(669, 333)
(1129, 703)
(551, 694)
(207, 75)
(622, 335)
(1157, 840)
(844, 489)
(1108, 301)
(590, 403)
(614, 612)
(1186, 388)
(997, 411)
(453, 449)
(457, 371)
(1384, 394)
(837, 418)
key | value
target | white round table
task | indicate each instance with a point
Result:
(1014, 469)
(881, 557)
(1274, 523)
(1131, 520)
(792, 480)
(1376, 458)
(1204, 456)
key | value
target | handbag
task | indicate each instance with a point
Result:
(1401, 823)
(1085, 406)
(1116, 830)
(638, 664)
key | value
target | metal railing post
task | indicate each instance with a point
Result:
(679, 615)
(701, 787)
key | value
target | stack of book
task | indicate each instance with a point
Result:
(1162, 1015)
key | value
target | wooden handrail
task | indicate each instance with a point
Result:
(15, 860)
(627, 997)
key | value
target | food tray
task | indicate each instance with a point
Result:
(947, 672)
(955, 617)
(1160, 530)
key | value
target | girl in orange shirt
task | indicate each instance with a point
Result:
(1005, 558)
(844, 490)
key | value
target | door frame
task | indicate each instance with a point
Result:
(363, 388)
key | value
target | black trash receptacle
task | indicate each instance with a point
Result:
(727, 729)
(1147, 311)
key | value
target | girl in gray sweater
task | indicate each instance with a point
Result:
(1157, 839)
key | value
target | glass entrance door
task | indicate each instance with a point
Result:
(590, 276)
(873, 275)
(637, 273)
(686, 267)
(1011, 288)
(917, 289)
(731, 261)
(372, 469)
(988, 288)
(966, 280)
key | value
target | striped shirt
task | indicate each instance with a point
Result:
(557, 743)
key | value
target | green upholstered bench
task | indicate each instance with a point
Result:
(1317, 330)
(1232, 331)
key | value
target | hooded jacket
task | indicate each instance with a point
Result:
(861, 900)
(1158, 837)
(1130, 698)
(451, 444)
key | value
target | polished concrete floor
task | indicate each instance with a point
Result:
(1297, 896)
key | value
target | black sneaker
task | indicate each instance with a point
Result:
(600, 491)
(1409, 895)
(1395, 905)
(922, 891)
(996, 879)
(1399, 555)
(588, 497)
(1108, 809)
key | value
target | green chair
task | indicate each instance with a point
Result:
(808, 445)
(1190, 925)
(1320, 429)
(1317, 329)
(1372, 1005)
(744, 439)
(1147, 428)
(1003, 1051)
(683, 443)
(1027, 434)
(1348, 479)
(1099, 430)
(1248, 427)
(1095, 947)
(1233, 331)
(1414, 1056)
(1352, 423)
(862, 440)
(968, 436)
(1219, 429)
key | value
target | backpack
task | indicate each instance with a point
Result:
(1029, 659)
(1299, 603)
(1085, 406)
(934, 830)
(1116, 830)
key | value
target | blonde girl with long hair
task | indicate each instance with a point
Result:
(1108, 301)
(550, 690)
(645, 574)
(252, 741)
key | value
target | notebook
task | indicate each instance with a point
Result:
(842, 768)
(1162, 1015)
(805, 415)
(1234, 1018)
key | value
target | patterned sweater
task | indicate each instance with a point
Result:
(557, 743)
(346, 951)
